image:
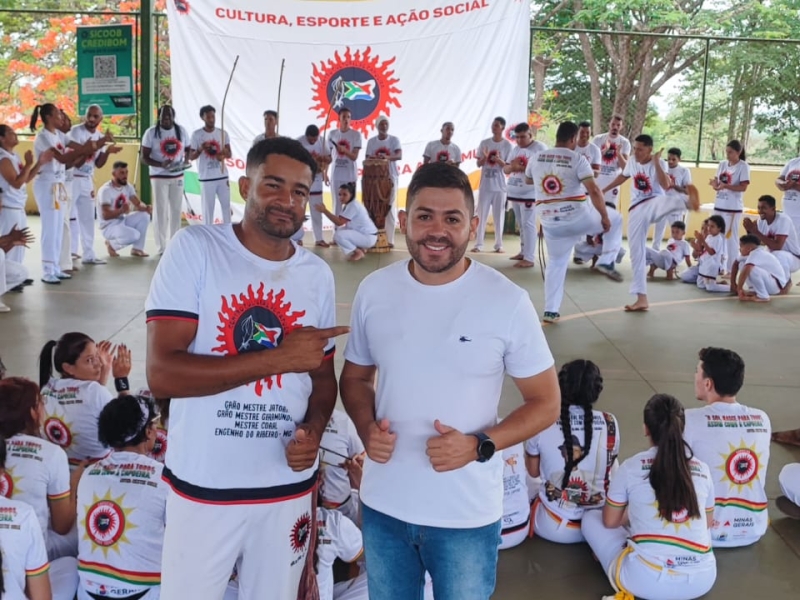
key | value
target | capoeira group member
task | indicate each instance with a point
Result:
(789, 183)
(777, 233)
(733, 439)
(667, 497)
(591, 249)
(678, 250)
(270, 127)
(757, 274)
(13, 275)
(443, 150)
(680, 177)
(730, 183)
(615, 149)
(516, 498)
(242, 477)
(123, 217)
(521, 194)
(210, 151)
(355, 231)
(562, 178)
(340, 445)
(651, 199)
(387, 147)
(712, 258)
(312, 142)
(345, 146)
(493, 154)
(574, 457)
(586, 148)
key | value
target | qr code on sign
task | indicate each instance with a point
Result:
(105, 67)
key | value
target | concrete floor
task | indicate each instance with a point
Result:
(639, 355)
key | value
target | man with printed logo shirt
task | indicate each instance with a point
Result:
(615, 149)
(123, 217)
(241, 325)
(789, 183)
(586, 148)
(493, 153)
(443, 150)
(210, 151)
(312, 142)
(345, 145)
(387, 147)
(776, 231)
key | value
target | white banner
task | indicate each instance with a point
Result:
(419, 62)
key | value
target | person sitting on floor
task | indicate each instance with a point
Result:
(677, 250)
(712, 261)
(757, 274)
(777, 233)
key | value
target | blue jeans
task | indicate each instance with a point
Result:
(462, 562)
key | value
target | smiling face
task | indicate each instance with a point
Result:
(765, 211)
(642, 152)
(584, 135)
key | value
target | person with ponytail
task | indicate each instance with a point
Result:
(574, 457)
(730, 183)
(354, 227)
(73, 400)
(122, 504)
(653, 536)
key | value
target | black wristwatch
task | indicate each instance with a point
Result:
(486, 447)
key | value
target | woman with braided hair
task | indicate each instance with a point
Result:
(574, 460)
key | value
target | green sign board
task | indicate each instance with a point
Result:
(105, 69)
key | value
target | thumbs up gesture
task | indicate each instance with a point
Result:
(379, 441)
(451, 449)
(302, 450)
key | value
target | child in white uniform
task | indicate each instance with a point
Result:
(712, 261)
(337, 537)
(355, 231)
(574, 461)
(757, 274)
(668, 497)
(677, 250)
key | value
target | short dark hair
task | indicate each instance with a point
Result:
(274, 113)
(344, 109)
(442, 176)
(566, 131)
(446, 123)
(616, 117)
(674, 151)
(121, 421)
(280, 145)
(749, 238)
(644, 139)
(718, 221)
(585, 124)
(120, 164)
(679, 225)
(206, 109)
(312, 131)
(522, 128)
(500, 120)
(768, 200)
(725, 368)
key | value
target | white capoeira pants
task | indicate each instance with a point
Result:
(561, 240)
(496, 203)
(611, 195)
(733, 221)
(663, 224)
(639, 578)
(662, 259)
(640, 216)
(167, 208)
(315, 199)
(264, 540)
(391, 217)
(128, 230)
(513, 536)
(527, 228)
(552, 527)
(789, 479)
(12, 273)
(47, 195)
(710, 284)
(63, 574)
(586, 252)
(65, 253)
(762, 283)
(352, 589)
(789, 261)
(350, 239)
(83, 199)
(209, 192)
(517, 208)
(690, 275)
(10, 218)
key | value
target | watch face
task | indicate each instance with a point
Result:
(486, 449)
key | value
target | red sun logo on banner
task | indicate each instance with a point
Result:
(358, 81)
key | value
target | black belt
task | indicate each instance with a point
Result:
(134, 597)
(611, 205)
(728, 210)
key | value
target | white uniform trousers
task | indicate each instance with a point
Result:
(265, 541)
(552, 527)
(690, 275)
(12, 273)
(10, 217)
(352, 589)
(663, 225)
(789, 478)
(496, 203)
(52, 220)
(710, 284)
(74, 230)
(517, 208)
(789, 261)
(209, 192)
(83, 198)
(350, 239)
(733, 221)
(612, 195)
(128, 230)
(561, 240)
(527, 228)
(391, 217)
(640, 217)
(515, 537)
(639, 578)
(662, 259)
(587, 252)
(65, 253)
(762, 283)
(315, 199)
(167, 206)
(63, 574)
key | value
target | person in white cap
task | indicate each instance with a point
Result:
(388, 147)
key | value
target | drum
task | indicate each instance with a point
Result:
(376, 190)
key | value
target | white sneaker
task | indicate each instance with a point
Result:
(94, 261)
(50, 278)
(4, 308)
(62, 275)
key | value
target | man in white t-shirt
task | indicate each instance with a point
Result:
(387, 147)
(164, 150)
(586, 148)
(493, 154)
(776, 232)
(240, 336)
(432, 488)
(733, 440)
(209, 149)
(123, 217)
(789, 183)
(443, 150)
(562, 178)
(270, 127)
(680, 177)
(756, 273)
(312, 142)
(345, 145)
(615, 149)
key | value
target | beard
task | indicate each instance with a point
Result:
(277, 228)
(439, 263)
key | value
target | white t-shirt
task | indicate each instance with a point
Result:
(781, 225)
(644, 179)
(733, 440)
(340, 438)
(115, 197)
(712, 265)
(617, 147)
(733, 175)
(557, 176)
(166, 146)
(679, 544)
(235, 440)
(678, 250)
(22, 543)
(586, 488)
(516, 506)
(209, 168)
(316, 150)
(517, 188)
(492, 177)
(357, 218)
(344, 169)
(680, 176)
(440, 357)
(791, 198)
(378, 148)
(122, 505)
(80, 135)
(764, 259)
(53, 171)
(590, 152)
(436, 151)
(337, 537)
(12, 197)
(36, 472)
(72, 410)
